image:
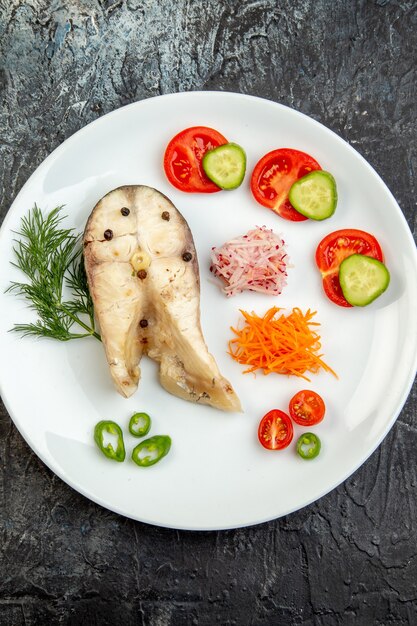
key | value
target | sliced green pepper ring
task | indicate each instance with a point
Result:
(308, 446)
(139, 424)
(111, 428)
(151, 450)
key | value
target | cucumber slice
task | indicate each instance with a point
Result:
(314, 195)
(362, 279)
(225, 165)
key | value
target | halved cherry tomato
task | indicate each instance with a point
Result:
(275, 430)
(274, 176)
(183, 156)
(336, 247)
(307, 408)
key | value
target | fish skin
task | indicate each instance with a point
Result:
(168, 298)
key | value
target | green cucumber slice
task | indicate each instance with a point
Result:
(225, 165)
(362, 279)
(314, 195)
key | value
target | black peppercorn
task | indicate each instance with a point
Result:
(108, 234)
(125, 211)
(187, 256)
(143, 323)
(142, 274)
(165, 215)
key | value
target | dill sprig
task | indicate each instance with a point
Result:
(51, 258)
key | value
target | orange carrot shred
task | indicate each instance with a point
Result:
(284, 344)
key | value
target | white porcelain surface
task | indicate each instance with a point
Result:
(216, 475)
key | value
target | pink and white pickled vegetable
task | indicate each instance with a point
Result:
(256, 261)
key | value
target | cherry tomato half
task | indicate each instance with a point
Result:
(275, 430)
(336, 247)
(274, 176)
(183, 156)
(307, 408)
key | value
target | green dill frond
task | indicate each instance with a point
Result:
(50, 256)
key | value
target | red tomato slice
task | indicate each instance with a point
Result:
(183, 156)
(336, 247)
(307, 408)
(275, 430)
(274, 176)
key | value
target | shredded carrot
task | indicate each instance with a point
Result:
(284, 344)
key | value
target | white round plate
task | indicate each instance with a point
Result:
(216, 475)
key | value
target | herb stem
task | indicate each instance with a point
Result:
(77, 320)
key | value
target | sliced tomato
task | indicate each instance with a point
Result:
(275, 430)
(307, 408)
(336, 247)
(183, 156)
(274, 176)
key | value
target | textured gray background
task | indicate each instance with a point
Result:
(351, 558)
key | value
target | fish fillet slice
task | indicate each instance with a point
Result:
(159, 313)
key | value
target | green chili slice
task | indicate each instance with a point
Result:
(308, 446)
(151, 450)
(111, 428)
(140, 424)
